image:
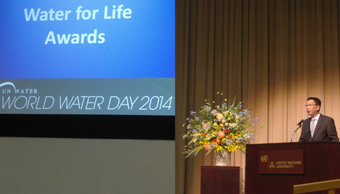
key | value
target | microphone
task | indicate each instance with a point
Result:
(299, 126)
(302, 120)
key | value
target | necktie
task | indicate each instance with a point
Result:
(312, 127)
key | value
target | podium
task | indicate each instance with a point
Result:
(275, 168)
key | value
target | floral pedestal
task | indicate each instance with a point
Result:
(220, 180)
(223, 158)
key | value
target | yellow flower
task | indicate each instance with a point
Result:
(215, 125)
(219, 148)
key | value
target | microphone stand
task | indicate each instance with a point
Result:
(291, 138)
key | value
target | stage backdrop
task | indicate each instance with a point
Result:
(271, 54)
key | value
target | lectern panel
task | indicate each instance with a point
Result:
(321, 161)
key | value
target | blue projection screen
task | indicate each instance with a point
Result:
(87, 57)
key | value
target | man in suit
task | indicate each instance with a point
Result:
(318, 127)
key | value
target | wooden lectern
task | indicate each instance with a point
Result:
(275, 168)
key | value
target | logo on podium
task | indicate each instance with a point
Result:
(281, 161)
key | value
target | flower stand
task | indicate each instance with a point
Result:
(220, 180)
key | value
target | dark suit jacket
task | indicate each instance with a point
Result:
(324, 131)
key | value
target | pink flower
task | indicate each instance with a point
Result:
(207, 147)
(220, 134)
(219, 116)
(206, 126)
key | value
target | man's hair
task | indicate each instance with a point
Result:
(316, 100)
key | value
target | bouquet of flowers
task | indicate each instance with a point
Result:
(219, 128)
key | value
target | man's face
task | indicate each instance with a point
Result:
(311, 108)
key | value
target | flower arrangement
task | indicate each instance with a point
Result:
(218, 128)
